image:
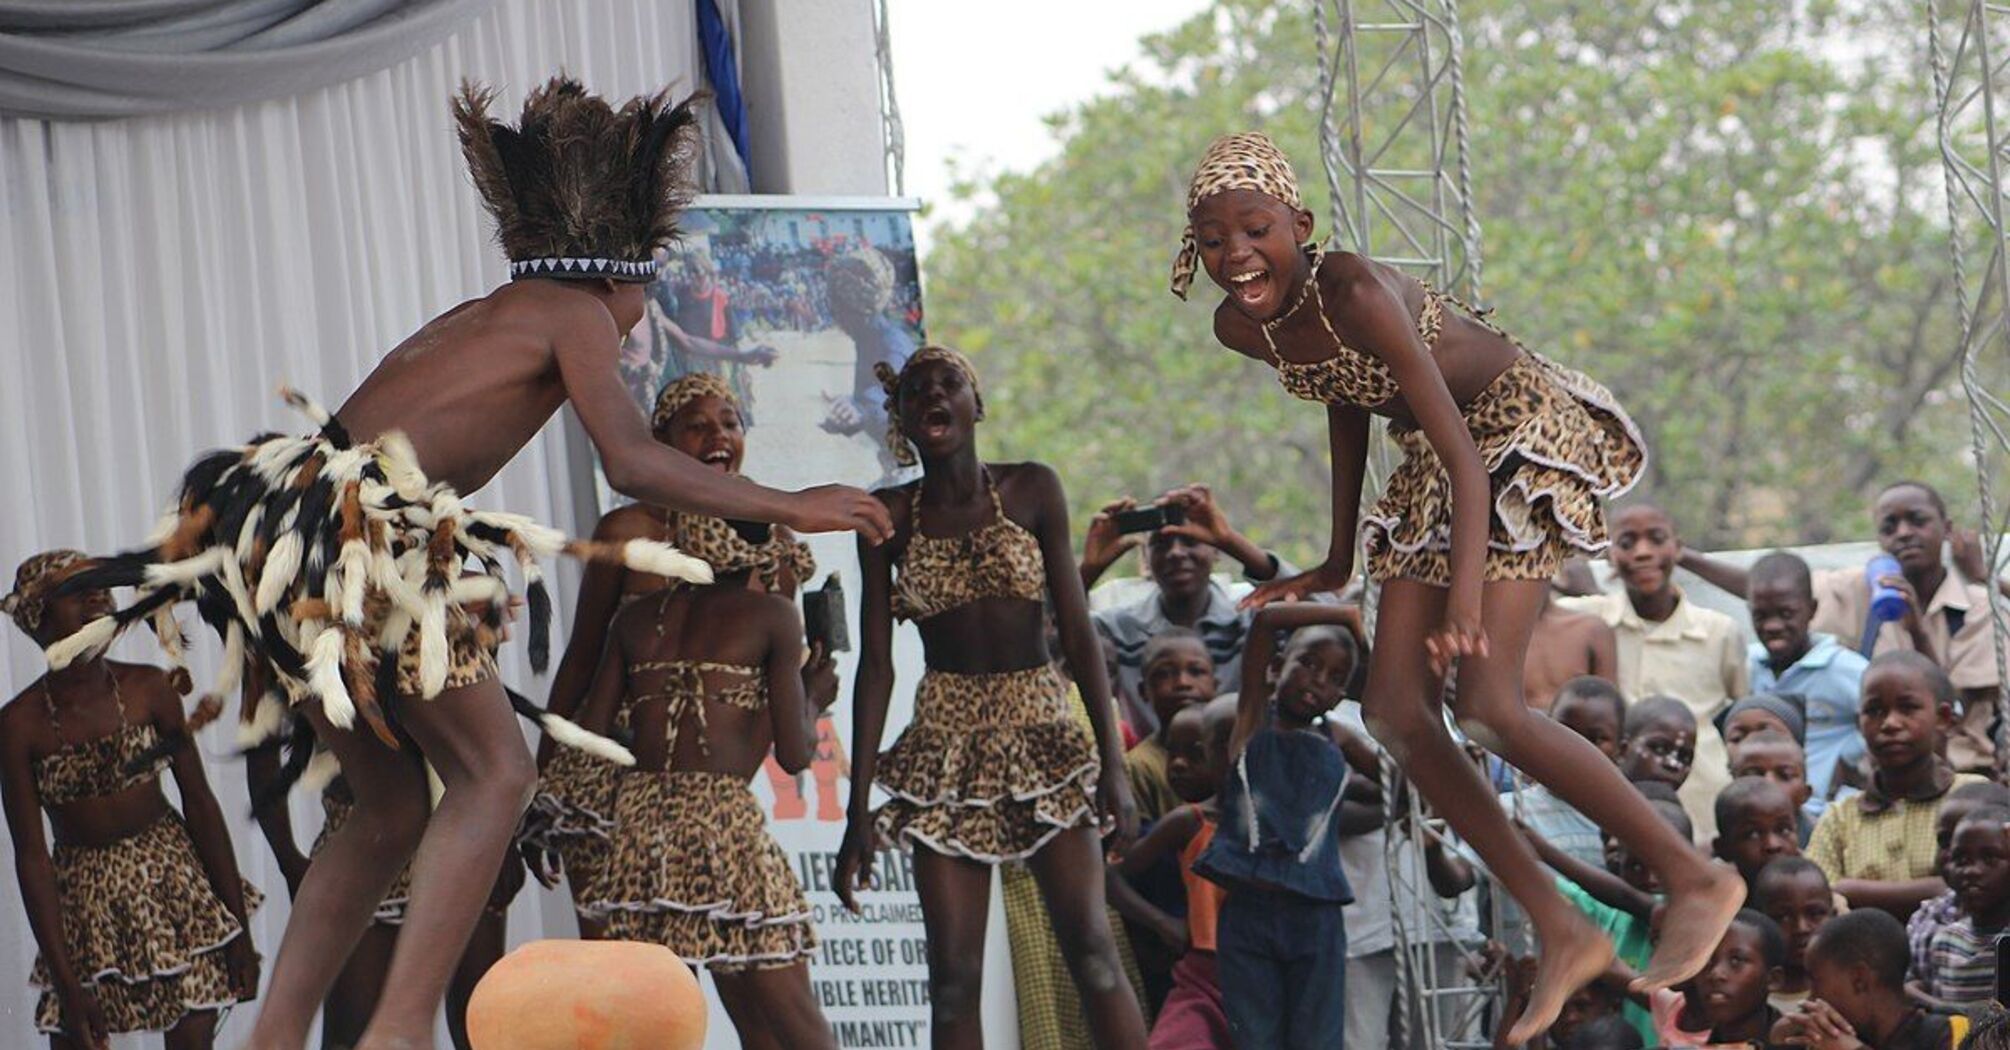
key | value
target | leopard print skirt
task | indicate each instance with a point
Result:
(144, 930)
(1554, 444)
(574, 809)
(991, 767)
(692, 867)
(336, 806)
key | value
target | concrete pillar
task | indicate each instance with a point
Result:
(812, 87)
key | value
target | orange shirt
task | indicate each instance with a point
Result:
(1203, 898)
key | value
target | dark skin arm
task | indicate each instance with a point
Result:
(610, 683)
(1602, 885)
(871, 692)
(261, 770)
(789, 711)
(1347, 441)
(206, 829)
(37, 873)
(1102, 544)
(599, 597)
(1166, 838)
(1253, 703)
(1448, 873)
(1901, 899)
(1725, 576)
(638, 465)
(1083, 653)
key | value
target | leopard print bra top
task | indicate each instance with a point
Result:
(937, 574)
(683, 688)
(1350, 376)
(97, 768)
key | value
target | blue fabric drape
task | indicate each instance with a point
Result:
(722, 69)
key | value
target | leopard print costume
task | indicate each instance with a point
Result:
(991, 767)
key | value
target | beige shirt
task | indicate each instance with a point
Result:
(1697, 656)
(1842, 602)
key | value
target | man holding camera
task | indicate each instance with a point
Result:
(1183, 534)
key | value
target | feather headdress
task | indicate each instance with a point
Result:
(578, 188)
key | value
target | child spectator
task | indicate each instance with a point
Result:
(1878, 848)
(1619, 899)
(1944, 909)
(1856, 969)
(1760, 712)
(1978, 870)
(1183, 591)
(1590, 1018)
(1793, 892)
(1192, 1018)
(1947, 616)
(1669, 645)
(1281, 937)
(1659, 743)
(1565, 645)
(1177, 674)
(1593, 709)
(1610, 1032)
(1755, 823)
(1791, 658)
(1776, 756)
(1732, 989)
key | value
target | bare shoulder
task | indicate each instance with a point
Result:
(1350, 277)
(899, 503)
(148, 686)
(632, 522)
(563, 313)
(1236, 331)
(25, 715)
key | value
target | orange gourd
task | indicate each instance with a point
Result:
(588, 995)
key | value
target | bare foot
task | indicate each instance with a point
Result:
(1570, 959)
(1692, 922)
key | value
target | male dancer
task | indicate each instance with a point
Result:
(338, 557)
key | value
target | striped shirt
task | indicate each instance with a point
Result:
(1927, 919)
(1223, 628)
(1964, 963)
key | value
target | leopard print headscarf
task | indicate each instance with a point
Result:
(889, 381)
(686, 390)
(31, 584)
(726, 551)
(1244, 161)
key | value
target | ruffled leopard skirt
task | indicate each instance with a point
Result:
(144, 930)
(1555, 444)
(574, 809)
(691, 866)
(992, 766)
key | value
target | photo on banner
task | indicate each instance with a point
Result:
(792, 302)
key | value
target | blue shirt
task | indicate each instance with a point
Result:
(1830, 677)
(1280, 818)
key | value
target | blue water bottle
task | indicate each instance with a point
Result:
(1886, 603)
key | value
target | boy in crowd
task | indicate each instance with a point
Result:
(1756, 823)
(1180, 560)
(1793, 892)
(1789, 657)
(1731, 991)
(1856, 970)
(1978, 870)
(1659, 743)
(1947, 616)
(1593, 709)
(1878, 848)
(1929, 917)
(1668, 645)
(1777, 757)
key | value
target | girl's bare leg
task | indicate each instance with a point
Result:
(775, 1009)
(470, 737)
(1702, 897)
(1404, 714)
(1069, 870)
(354, 997)
(338, 898)
(955, 895)
(195, 1031)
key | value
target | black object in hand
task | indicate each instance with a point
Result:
(1152, 518)
(824, 616)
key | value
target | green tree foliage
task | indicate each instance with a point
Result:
(1729, 212)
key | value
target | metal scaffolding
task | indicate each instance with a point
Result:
(1394, 139)
(1969, 48)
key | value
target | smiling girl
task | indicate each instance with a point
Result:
(1506, 457)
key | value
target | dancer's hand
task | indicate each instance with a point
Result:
(1460, 636)
(839, 508)
(1119, 812)
(854, 863)
(1815, 1025)
(240, 961)
(820, 678)
(83, 1018)
(1329, 577)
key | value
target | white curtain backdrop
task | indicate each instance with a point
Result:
(160, 276)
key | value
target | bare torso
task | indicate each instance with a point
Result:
(474, 385)
(102, 819)
(717, 625)
(1563, 646)
(990, 635)
(1469, 354)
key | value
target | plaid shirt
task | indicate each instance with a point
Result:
(1926, 921)
(1873, 836)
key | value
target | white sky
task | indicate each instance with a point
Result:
(975, 79)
